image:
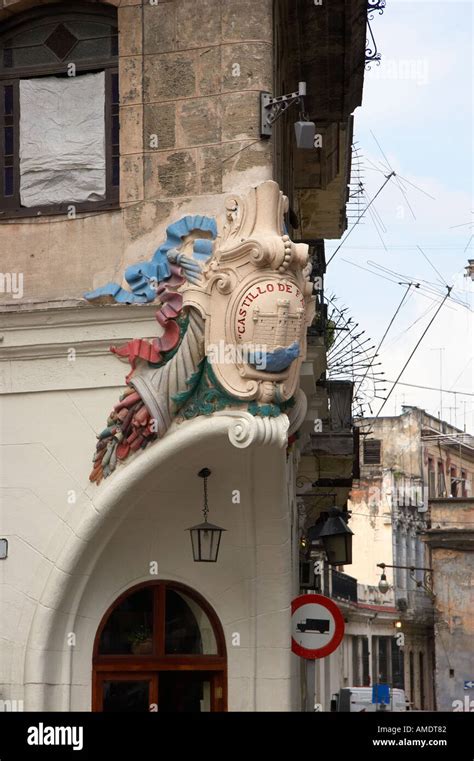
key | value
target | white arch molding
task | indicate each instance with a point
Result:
(48, 658)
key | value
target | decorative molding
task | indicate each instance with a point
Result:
(57, 350)
(47, 315)
(249, 293)
(246, 429)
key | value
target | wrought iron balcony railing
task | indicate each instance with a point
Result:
(344, 587)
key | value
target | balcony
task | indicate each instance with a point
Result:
(344, 587)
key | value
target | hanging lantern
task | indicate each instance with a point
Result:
(336, 537)
(205, 537)
(332, 533)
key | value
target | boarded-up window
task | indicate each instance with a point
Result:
(372, 451)
(62, 140)
(59, 110)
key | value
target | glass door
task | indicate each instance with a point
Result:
(184, 691)
(127, 693)
(164, 691)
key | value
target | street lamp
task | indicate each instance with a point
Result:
(426, 584)
(334, 534)
(384, 586)
(205, 537)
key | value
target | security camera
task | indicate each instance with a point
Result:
(305, 133)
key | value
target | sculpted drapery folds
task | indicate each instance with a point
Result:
(233, 305)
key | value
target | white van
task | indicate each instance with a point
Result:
(357, 699)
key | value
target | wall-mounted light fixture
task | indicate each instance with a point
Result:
(272, 108)
(330, 532)
(3, 549)
(336, 537)
(384, 586)
(205, 537)
(426, 584)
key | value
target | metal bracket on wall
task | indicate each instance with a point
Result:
(272, 108)
(371, 52)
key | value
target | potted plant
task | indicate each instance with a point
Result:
(141, 640)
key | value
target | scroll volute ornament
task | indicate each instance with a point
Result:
(256, 301)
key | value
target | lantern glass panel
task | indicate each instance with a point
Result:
(339, 549)
(205, 540)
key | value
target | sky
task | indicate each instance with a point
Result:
(416, 119)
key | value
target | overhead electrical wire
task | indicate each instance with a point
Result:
(413, 352)
(432, 388)
(398, 282)
(386, 332)
(430, 288)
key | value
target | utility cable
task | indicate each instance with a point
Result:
(384, 335)
(449, 288)
(433, 388)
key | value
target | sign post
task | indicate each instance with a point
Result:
(310, 674)
(317, 626)
(317, 629)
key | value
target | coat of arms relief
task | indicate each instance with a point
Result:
(234, 302)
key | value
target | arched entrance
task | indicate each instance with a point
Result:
(159, 647)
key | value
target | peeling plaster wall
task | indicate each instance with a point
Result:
(371, 522)
(386, 492)
(452, 558)
(454, 625)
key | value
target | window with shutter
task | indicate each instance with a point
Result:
(59, 115)
(372, 451)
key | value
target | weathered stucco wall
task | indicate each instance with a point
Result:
(451, 541)
(400, 438)
(190, 89)
(371, 522)
(453, 571)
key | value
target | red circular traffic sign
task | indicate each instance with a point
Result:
(317, 626)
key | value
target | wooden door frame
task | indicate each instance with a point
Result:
(128, 666)
(217, 680)
(127, 676)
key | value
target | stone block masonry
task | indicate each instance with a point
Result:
(190, 75)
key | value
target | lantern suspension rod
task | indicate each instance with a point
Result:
(204, 474)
